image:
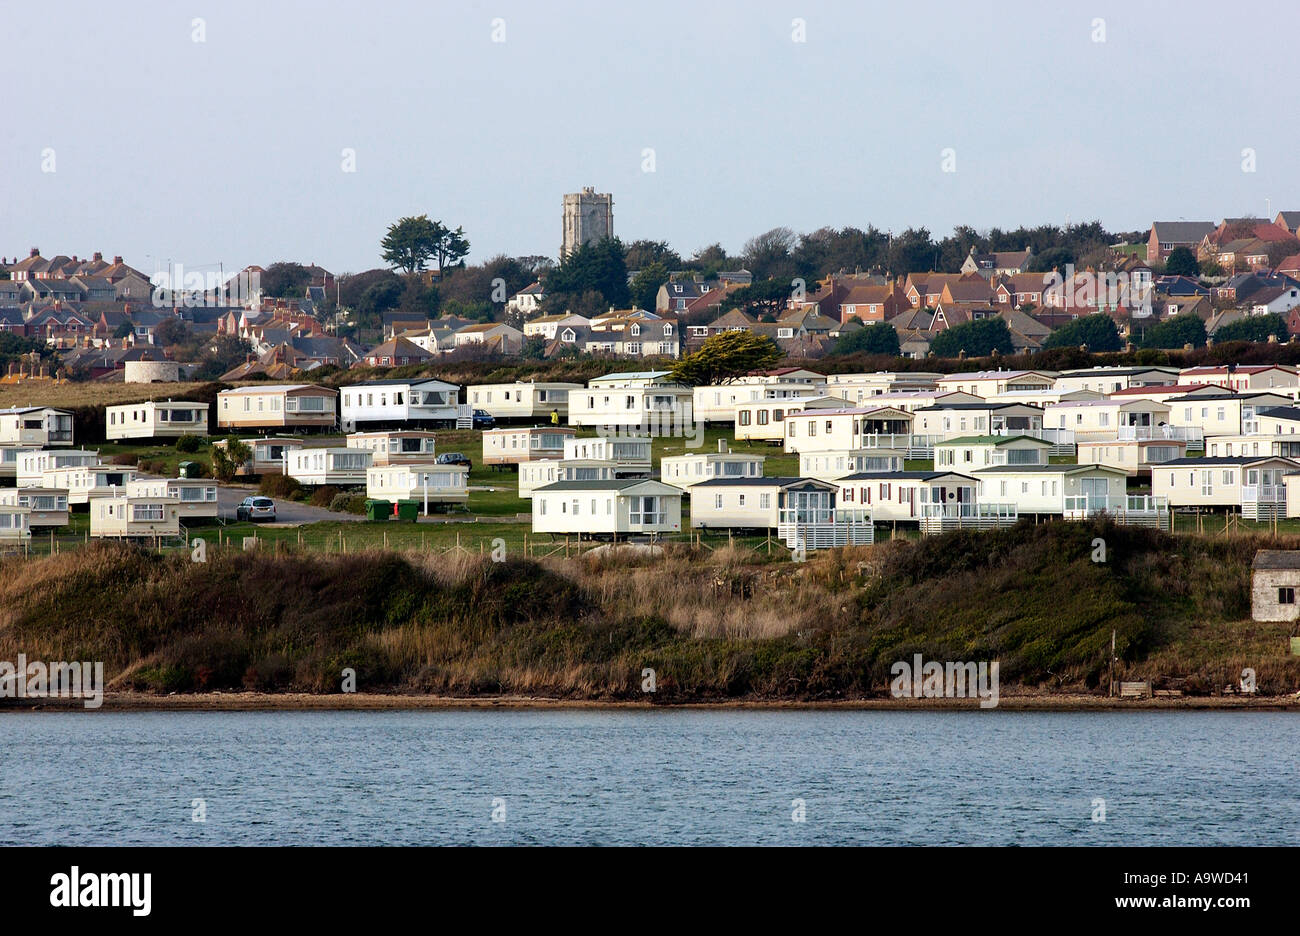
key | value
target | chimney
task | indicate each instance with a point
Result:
(97, 257)
(117, 260)
(36, 252)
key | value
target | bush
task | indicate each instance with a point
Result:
(279, 486)
(349, 503)
(323, 496)
(188, 444)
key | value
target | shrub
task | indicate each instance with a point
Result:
(188, 444)
(348, 503)
(279, 486)
(323, 496)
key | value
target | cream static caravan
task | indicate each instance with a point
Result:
(427, 484)
(32, 464)
(523, 399)
(48, 507)
(616, 507)
(155, 419)
(685, 471)
(197, 497)
(411, 446)
(764, 421)
(277, 406)
(35, 426)
(338, 465)
(124, 516)
(510, 446)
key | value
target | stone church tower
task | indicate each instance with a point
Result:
(588, 217)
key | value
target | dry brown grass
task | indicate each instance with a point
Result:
(68, 394)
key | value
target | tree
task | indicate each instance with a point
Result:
(1182, 262)
(172, 331)
(413, 242)
(1184, 329)
(596, 267)
(645, 285)
(725, 357)
(876, 338)
(978, 339)
(1097, 331)
(768, 254)
(1254, 328)
(228, 459)
(641, 254)
(764, 299)
(285, 280)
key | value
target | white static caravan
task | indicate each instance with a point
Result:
(1253, 485)
(155, 419)
(9, 459)
(1105, 419)
(82, 482)
(403, 447)
(953, 420)
(35, 426)
(1218, 414)
(750, 503)
(716, 403)
(523, 399)
(636, 398)
(630, 455)
(987, 383)
(1134, 456)
(764, 421)
(1259, 445)
(833, 464)
(15, 525)
(277, 406)
(427, 484)
(854, 428)
(909, 400)
(862, 387)
(417, 403)
(197, 497)
(624, 507)
(1107, 380)
(1054, 490)
(1045, 398)
(338, 465)
(903, 496)
(32, 464)
(47, 507)
(543, 471)
(124, 516)
(269, 454)
(967, 453)
(685, 471)
(510, 446)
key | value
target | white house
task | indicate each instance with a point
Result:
(32, 464)
(623, 507)
(764, 421)
(547, 326)
(141, 516)
(637, 398)
(854, 428)
(523, 399)
(277, 406)
(47, 507)
(427, 484)
(37, 426)
(338, 465)
(685, 471)
(511, 446)
(403, 446)
(197, 497)
(1253, 485)
(495, 335)
(155, 419)
(750, 503)
(413, 403)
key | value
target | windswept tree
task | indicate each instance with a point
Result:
(412, 242)
(1097, 331)
(876, 338)
(1176, 332)
(977, 339)
(727, 356)
(596, 267)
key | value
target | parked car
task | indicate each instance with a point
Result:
(484, 420)
(255, 508)
(455, 458)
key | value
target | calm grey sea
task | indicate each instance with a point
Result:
(657, 777)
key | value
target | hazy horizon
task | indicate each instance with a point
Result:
(231, 150)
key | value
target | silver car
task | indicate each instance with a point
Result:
(255, 508)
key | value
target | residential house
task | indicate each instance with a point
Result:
(155, 419)
(1166, 236)
(618, 507)
(547, 326)
(677, 294)
(396, 352)
(997, 263)
(277, 406)
(526, 303)
(496, 337)
(410, 403)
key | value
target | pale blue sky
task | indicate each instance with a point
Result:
(230, 149)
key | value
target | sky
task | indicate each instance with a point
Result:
(707, 121)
